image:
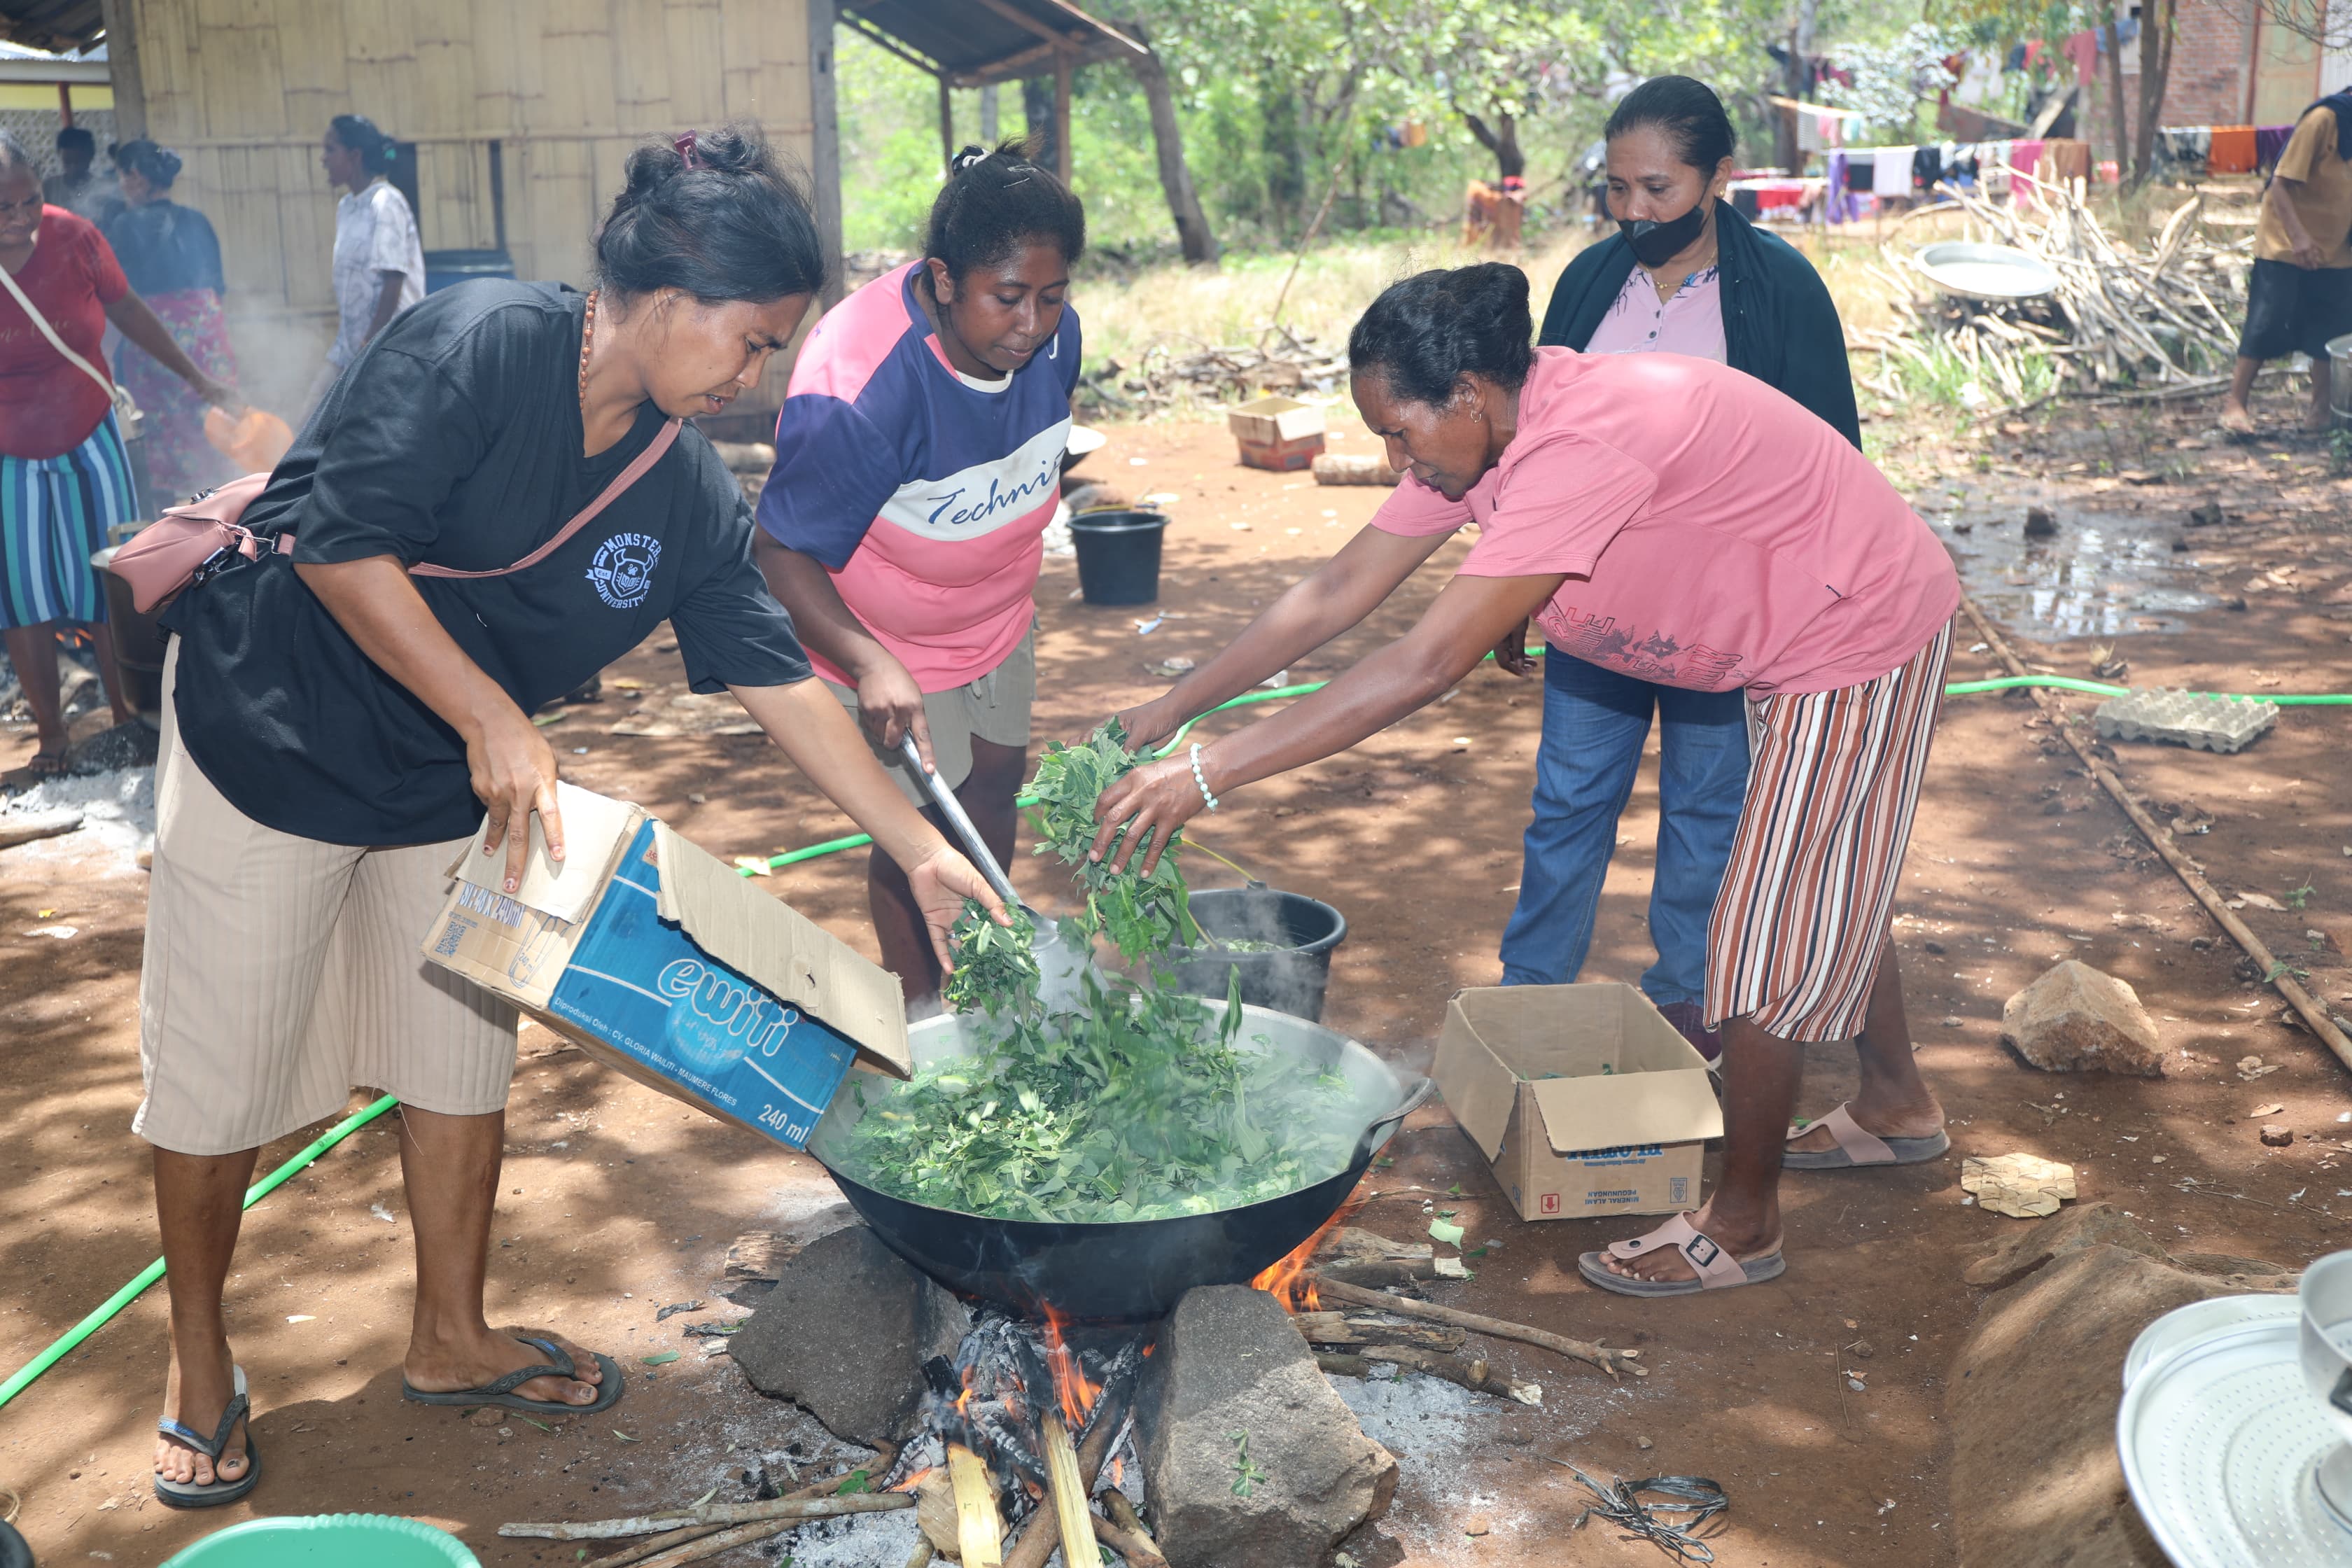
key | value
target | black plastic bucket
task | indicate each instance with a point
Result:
(1290, 981)
(1118, 556)
(139, 644)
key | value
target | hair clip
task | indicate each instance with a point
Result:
(686, 149)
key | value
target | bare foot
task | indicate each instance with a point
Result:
(447, 1367)
(2236, 420)
(1881, 1119)
(196, 1398)
(1742, 1239)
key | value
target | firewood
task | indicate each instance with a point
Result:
(1378, 1273)
(1375, 1329)
(721, 1540)
(935, 1512)
(1140, 1550)
(829, 1486)
(47, 825)
(1122, 1512)
(1612, 1362)
(1040, 1532)
(1354, 1241)
(1068, 1494)
(980, 1529)
(791, 1509)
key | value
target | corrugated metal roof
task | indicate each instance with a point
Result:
(978, 41)
(60, 26)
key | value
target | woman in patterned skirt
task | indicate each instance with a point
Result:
(64, 478)
(172, 260)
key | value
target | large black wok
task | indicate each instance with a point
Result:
(1135, 1268)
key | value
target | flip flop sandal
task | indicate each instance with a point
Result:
(500, 1391)
(1857, 1147)
(46, 765)
(1717, 1269)
(188, 1494)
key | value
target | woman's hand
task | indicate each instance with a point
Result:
(1511, 653)
(891, 707)
(1157, 799)
(1150, 724)
(943, 882)
(219, 394)
(512, 769)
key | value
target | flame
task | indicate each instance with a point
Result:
(912, 1482)
(1076, 1392)
(1287, 1280)
(1119, 1470)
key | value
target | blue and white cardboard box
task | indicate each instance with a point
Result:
(665, 962)
(1584, 1099)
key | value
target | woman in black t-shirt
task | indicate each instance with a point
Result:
(336, 727)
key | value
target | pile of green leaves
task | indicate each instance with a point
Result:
(1140, 1106)
(1139, 1103)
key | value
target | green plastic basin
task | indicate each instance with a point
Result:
(329, 1540)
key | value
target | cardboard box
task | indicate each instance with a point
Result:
(667, 963)
(1278, 433)
(1584, 1099)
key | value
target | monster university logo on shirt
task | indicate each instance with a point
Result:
(623, 572)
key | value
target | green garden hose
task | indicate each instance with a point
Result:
(22, 1377)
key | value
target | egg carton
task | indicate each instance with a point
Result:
(2200, 719)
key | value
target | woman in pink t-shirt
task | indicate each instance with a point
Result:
(1677, 521)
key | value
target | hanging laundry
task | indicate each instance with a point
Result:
(2064, 159)
(1837, 203)
(2184, 151)
(1927, 167)
(2083, 48)
(1891, 171)
(2024, 158)
(2270, 140)
(2233, 151)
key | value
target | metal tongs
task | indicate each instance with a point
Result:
(1058, 966)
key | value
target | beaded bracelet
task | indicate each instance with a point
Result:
(1198, 778)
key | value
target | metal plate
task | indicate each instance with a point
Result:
(2219, 1441)
(2187, 1325)
(1975, 271)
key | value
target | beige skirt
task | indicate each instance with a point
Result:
(282, 972)
(993, 707)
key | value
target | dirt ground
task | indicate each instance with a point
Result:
(622, 1202)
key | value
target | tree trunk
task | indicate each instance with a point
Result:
(1502, 139)
(1285, 154)
(1192, 235)
(2115, 106)
(2160, 22)
(1038, 109)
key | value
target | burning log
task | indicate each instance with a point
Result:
(1105, 1423)
(980, 1529)
(791, 1510)
(1138, 1549)
(1375, 1329)
(1068, 1492)
(1612, 1362)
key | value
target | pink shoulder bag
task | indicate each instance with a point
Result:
(202, 538)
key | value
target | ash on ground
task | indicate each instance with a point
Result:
(118, 811)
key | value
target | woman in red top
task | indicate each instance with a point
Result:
(64, 478)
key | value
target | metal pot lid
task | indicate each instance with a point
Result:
(2219, 1442)
(2184, 1326)
(1976, 271)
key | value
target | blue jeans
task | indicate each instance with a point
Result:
(1594, 724)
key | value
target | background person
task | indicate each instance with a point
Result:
(918, 461)
(336, 728)
(1684, 274)
(78, 186)
(172, 260)
(64, 476)
(379, 259)
(1743, 544)
(2300, 292)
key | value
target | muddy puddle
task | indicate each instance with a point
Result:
(2102, 575)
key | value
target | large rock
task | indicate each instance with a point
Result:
(1229, 1363)
(2032, 1404)
(844, 1334)
(2069, 1231)
(2076, 1018)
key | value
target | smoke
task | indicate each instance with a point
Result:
(1287, 979)
(279, 354)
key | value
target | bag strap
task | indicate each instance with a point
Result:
(50, 332)
(621, 481)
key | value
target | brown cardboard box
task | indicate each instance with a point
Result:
(1582, 1098)
(1278, 433)
(662, 962)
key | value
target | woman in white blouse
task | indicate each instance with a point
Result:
(378, 257)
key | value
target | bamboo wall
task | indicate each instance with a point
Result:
(243, 89)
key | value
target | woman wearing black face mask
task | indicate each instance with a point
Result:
(1684, 274)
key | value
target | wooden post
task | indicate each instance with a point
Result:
(65, 103)
(947, 126)
(824, 143)
(988, 132)
(122, 66)
(1063, 66)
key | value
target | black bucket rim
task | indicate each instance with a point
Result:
(1126, 520)
(1322, 944)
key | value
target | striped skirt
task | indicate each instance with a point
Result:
(54, 514)
(1801, 920)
